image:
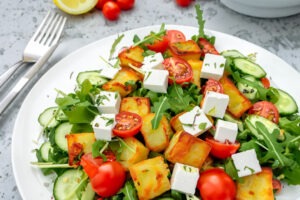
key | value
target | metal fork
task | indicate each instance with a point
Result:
(45, 40)
(37, 45)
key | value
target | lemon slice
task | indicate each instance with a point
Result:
(75, 7)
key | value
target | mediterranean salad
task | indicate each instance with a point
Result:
(171, 117)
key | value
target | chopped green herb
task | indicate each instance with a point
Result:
(202, 126)
(147, 76)
(212, 111)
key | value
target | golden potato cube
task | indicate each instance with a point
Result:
(256, 186)
(138, 105)
(150, 177)
(135, 152)
(120, 82)
(187, 149)
(175, 122)
(133, 56)
(156, 140)
(196, 67)
(79, 143)
(187, 50)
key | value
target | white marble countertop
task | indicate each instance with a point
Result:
(20, 18)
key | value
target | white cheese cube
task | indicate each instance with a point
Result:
(108, 70)
(195, 121)
(156, 80)
(184, 178)
(108, 102)
(215, 104)
(246, 163)
(213, 66)
(103, 125)
(153, 62)
(226, 131)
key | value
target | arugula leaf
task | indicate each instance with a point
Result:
(129, 191)
(98, 147)
(292, 176)
(114, 45)
(290, 124)
(152, 37)
(200, 21)
(159, 108)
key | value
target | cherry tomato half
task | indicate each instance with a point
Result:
(109, 179)
(100, 4)
(215, 184)
(111, 10)
(212, 85)
(178, 69)
(265, 81)
(265, 109)
(125, 4)
(183, 3)
(277, 186)
(175, 36)
(207, 47)
(159, 45)
(128, 124)
(222, 150)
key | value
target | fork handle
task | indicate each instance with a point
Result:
(6, 75)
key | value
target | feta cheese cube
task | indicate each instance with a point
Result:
(153, 62)
(108, 70)
(213, 66)
(184, 178)
(226, 131)
(215, 104)
(195, 121)
(108, 102)
(156, 80)
(103, 125)
(246, 163)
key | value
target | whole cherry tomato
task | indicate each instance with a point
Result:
(215, 184)
(179, 69)
(125, 4)
(128, 124)
(100, 4)
(175, 36)
(222, 150)
(183, 3)
(111, 10)
(265, 109)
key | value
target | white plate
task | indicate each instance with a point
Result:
(31, 183)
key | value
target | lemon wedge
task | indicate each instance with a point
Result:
(75, 7)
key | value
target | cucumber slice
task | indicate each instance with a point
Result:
(60, 135)
(45, 149)
(230, 118)
(49, 118)
(247, 67)
(67, 183)
(232, 54)
(252, 119)
(88, 193)
(250, 92)
(93, 76)
(285, 104)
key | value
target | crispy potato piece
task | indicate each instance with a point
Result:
(175, 122)
(256, 186)
(196, 66)
(138, 105)
(132, 55)
(238, 103)
(79, 143)
(187, 149)
(118, 84)
(187, 50)
(135, 153)
(156, 140)
(150, 177)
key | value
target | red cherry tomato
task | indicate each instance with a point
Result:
(215, 184)
(111, 10)
(222, 150)
(125, 4)
(178, 69)
(183, 3)
(207, 47)
(265, 109)
(212, 85)
(128, 124)
(159, 45)
(175, 36)
(265, 81)
(100, 4)
(277, 186)
(109, 179)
